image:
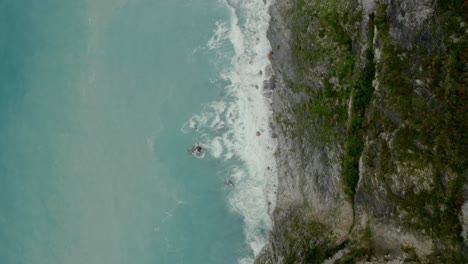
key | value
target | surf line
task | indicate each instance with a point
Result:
(237, 126)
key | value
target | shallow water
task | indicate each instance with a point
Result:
(99, 102)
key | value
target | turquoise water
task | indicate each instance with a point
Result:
(99, 102)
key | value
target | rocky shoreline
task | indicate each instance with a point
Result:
(369, 99)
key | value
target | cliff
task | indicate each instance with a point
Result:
(370, 111)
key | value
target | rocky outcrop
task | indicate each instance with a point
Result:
(370, 101)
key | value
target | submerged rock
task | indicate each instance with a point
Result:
(196, 150)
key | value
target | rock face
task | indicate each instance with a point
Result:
(370, 111)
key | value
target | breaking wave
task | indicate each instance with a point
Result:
(236, 127)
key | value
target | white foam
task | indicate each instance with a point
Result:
(229, 126)
(219, 36)
(250, 199)
(216, 147)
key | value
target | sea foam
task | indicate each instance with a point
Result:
(237, 125)
(219, 36)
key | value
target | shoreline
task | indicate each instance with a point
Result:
(236, 127)
(255, 198)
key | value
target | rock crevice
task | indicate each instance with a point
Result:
(368, 110)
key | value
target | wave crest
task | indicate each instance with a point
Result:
(238, 125)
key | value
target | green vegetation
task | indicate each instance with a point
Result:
(331, 45)
(321, 116)
(416, 120)
(304, 239)
(361, 98)
(360, 249)
(434, 132)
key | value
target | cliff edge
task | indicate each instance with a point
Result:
(370, 103)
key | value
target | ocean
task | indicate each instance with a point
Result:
(101, 102)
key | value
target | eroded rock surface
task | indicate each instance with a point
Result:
(370, 111)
